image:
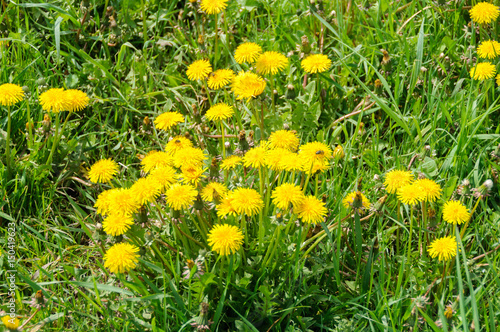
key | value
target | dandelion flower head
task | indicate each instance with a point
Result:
(271, 63)
(213, 6)
(246, 201)
(489, 49)
(189, 157)
(155, 159)
(396, 179)
(146, 190)
(247, 85)
(255, 157)
(103, 201)
(164, 175)
(338, 152)
(225, 239)
(455, 212)
(247, 53)
(314, 151)
(291, 162)
(177, 143)
(483, 71)
(10, 94)
(219, 112)
(117, 224)
(77, 100)
(316, 63)
(226, 207)
(410, 194)
(484, 12)
(311, 210)
(167, 120)
(317, 166)
(192, 174)
(180, 196)
(54, 100)
(273, 158)
(443, 248)
(220, 78)
(199, 70)
(123, 201)
(285, 139)
(103, 171)
(11, 324)
(430, 189)
(287, 194)
(121, 257)
(231, 162)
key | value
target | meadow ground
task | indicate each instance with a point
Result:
(249, 165)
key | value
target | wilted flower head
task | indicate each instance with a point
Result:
(357, 201)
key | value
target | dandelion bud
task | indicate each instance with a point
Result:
(290, 92)
(378, 86)
(147, 121)
(448, 312)
(428, 147)
(465, 183)
(198, 203)
(306, 47)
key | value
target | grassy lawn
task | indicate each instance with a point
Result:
(339, 173)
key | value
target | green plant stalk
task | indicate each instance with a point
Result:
(216, 40)
(296, 254)
(222, 134)
(271, 82)
(308, 177)
(30, 131)
(54, 142)
(399, 220)
(203, 232)
(359, 241)
(316, 186)
(272, 247)
(424, 221)
(144, 27)
(462, 232)
(261, 120)
(7, 142)
(411, 229)
(205, 84)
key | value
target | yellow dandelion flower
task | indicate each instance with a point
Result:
(410, 194)
(489, 49)
(164, 175)
(246, 201)
(483, 71)
(117, 224)
(255, 157)
(10, 94)
(146, 190)
(178, 143)
(225, 239)
(443, 248)
(316, 63)
(214, 191)
(311, 210)
(180, 196)
(167, 120)
(396, 179)
(199, 70)
(220, 78)
(247, 85)
(10, 323)
(271, 63)
(189, 157)
(484, 12)
(226, 207)
(54, 100)
(287, 194)
(155, 159)
(430, 189)
(103, 171)
(285, 139)
(247, 53)
(273, 158)
(230, 162)
(121, 257)
(219, 112)
(192, 175)
(455, 212)
(291, 163)
(103, 201)
(314, 151)
(77, 100)
(213, 6)
(123, 201)
(352, 200)
(338, 152)
(448, 312)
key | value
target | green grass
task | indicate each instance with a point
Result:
(427, 115)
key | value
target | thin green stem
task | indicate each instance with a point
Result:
(7, 142)
(222, 133)
(271, 82)
(462, 233)
(411, 232)
(54, 142)
(216, 40)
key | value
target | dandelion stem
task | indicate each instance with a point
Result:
(271, 82)
(216, 40)
(7, 141)
(54, 142)
(411, 229)
(462, 233)
(308, 177)
(222, 133)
